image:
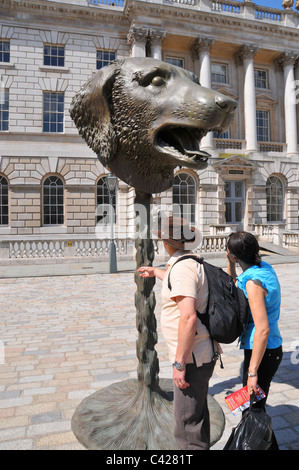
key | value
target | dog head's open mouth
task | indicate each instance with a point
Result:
(180, 145)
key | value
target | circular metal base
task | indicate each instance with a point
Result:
(130, 416)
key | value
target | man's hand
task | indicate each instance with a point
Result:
(179, 378)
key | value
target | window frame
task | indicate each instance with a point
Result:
(2, 205)
(214, 74)
(54, 57)
(101, 183)
(270, 197)
(268, 128)
(4, 110)
(4, 54)
(60, 206)
(178, 196)
(59, 121)
(104, 61)
(175, 61)
(256, 79)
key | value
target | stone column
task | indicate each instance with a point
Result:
(246, 54)
(157, 37)
(137, 38)
(202, 50)
(287, 60)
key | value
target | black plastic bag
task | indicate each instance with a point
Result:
(254, 431)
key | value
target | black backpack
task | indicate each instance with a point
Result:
(227, 309)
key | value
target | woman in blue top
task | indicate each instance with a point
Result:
(261, 341)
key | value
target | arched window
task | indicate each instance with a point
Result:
(184, 196)
(275, 199)
(53, 201)
(3, 201)
(103, 201)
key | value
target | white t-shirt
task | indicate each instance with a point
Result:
(187, 279)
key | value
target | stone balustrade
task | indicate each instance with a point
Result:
(246, 10)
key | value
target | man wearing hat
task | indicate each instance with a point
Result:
(190, 347)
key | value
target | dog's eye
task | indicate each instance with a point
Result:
(158, 80)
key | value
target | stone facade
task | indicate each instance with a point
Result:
(229, 45)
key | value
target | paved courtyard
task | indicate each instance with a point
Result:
(62, 337)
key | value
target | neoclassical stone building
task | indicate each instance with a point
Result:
(52, 188)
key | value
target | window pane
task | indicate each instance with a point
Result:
(228, 212)
(238, 211)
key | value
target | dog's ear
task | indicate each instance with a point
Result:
(90, 111)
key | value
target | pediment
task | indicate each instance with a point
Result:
(235, 162)
(266, 98)
(227, 93)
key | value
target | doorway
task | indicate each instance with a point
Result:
(235, 203)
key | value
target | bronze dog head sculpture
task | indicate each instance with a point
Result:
(144, 117)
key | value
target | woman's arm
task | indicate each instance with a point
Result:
(150, 271)
(256, 298)
(186, 335)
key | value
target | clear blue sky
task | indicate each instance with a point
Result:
(271, 3)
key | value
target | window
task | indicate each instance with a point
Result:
(103, 202)
(263, 126)
(53, 112)
(219, 73)
(53, 201)
(54, 55)
(4, 110)
(261, 78)
(223, 135)
(175, 61)
(3, 201)
(184, 196)
(4, 51)
(275, 199)
(104, 58)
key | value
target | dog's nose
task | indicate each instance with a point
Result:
(225, 103)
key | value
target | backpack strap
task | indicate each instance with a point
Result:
(216, 355)
(199, 260)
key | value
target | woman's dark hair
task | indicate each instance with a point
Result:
(245, 247)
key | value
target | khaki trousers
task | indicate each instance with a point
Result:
(192, 421)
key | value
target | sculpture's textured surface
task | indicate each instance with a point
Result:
(144, 117)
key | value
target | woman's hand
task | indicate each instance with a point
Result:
(252, 385)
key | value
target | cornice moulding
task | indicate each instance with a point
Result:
(133, 8)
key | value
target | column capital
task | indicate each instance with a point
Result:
(247, 51)
(287, 58)
(156, 36)
(137, 34)
(202, 44)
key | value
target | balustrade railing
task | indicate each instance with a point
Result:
(110, 3)
(227, 6)
(99, 249)
(36, 249)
